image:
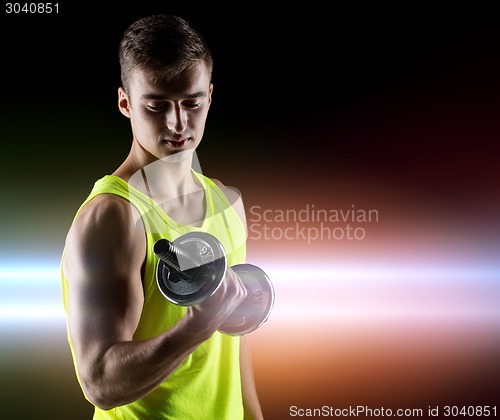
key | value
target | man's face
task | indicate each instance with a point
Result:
(168, 117)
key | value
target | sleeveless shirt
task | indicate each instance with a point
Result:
(207, 385)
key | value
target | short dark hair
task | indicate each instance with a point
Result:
(163, 45)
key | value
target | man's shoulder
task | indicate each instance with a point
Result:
(217, 182)
(233, 197)
(106, 212)
(105, 226)
(107, 204)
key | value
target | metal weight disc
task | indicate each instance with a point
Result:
(203, 267)
(257, 306)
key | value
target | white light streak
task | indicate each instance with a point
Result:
(34, 293)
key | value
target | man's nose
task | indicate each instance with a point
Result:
(176, 119)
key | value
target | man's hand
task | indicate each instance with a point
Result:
(215, 310)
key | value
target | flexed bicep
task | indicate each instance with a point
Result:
(103, 258)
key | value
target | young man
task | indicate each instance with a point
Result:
(137, 356)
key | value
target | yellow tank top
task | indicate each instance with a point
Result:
(207, 385)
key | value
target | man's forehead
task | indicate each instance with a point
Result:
(192, 80)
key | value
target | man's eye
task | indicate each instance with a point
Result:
(156, 108)
(192, 104)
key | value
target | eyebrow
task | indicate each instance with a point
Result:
(154, 96)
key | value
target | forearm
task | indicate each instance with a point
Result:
(129, 370)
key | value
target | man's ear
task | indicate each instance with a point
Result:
(210, 90)
(123, 102)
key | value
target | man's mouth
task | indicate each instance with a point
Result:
(176, 144)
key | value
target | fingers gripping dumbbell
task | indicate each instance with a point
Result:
(193, 266)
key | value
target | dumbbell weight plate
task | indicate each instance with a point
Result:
(255, 309)
(197, 282)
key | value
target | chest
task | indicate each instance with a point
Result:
(189, 209)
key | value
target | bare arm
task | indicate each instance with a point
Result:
(250, 398)
(104, 255)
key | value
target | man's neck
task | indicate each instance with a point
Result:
(166, 180)
(171, 184)
(162, 179)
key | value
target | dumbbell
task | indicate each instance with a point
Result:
(192, 267)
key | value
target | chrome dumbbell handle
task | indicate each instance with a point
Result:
(167, 252)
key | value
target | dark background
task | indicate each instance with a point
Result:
(389, 107)
(402, 95)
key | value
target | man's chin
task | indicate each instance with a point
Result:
(178, 156)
